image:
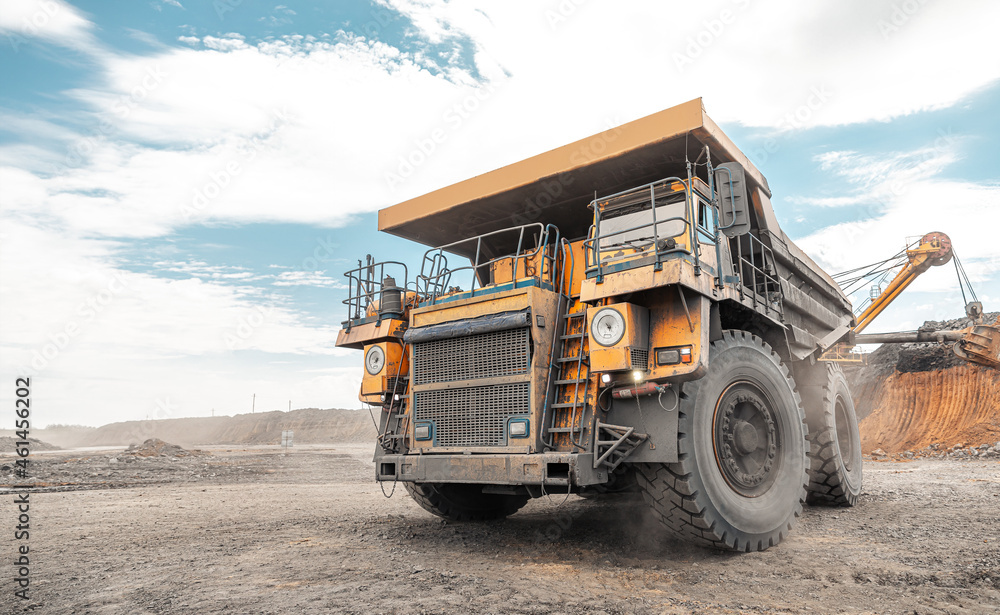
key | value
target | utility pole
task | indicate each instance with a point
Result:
(289, 405)
(253, 404)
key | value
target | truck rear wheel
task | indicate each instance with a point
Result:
(835, 473)
(464, 502)
(740, 481)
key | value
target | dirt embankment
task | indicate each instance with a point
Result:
(9, 443)
(914, 396)
(310, 426)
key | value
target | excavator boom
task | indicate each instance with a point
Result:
(977, 344)
(934, 249)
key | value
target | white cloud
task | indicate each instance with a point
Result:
(833, 201)
(753, 62)
(912, 201)
(52, 20)
(307, 278)
(303, 120)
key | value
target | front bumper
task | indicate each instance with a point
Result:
(575, 469)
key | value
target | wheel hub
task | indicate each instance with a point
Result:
(746, 439)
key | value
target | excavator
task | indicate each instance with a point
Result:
(979, 343)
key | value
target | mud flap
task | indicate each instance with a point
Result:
(655, 416)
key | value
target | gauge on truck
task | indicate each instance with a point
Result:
(374, 360)
(607, 327)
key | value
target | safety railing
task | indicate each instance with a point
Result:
(368, 291)
(753, 262)
(536, 242)
(651, 241)
(844, 353)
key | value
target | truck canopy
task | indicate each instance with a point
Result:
(555, 187)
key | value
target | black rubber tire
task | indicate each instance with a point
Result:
(464, 502)
(835, 465)
(693, 497)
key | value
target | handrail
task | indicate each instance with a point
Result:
(767, 283)
(592, 245)
(366, 282)
(556, 328)
(435, 274)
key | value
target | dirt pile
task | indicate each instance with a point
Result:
(8, 444)
(310, 426)
(922, 398)
(154, 447)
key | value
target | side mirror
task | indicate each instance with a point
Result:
(734, 206)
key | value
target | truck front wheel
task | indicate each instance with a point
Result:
(464, 502)
(740, 481)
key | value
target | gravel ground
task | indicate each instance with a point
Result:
(234, 530)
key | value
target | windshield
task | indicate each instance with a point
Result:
(633, 224)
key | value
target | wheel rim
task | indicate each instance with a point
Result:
(844, 433)
(747, 439)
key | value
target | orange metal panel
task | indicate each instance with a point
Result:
(396, 364)
(671, 325)
(359, 335)
(619, 356)
(473, 307)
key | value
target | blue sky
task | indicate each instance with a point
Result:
(183, 184)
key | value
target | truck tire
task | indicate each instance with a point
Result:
(835, 472)
(464, 502)
(740, 481)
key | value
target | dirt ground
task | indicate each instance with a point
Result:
(237, 530)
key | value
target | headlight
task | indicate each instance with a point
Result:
(518, 428)
(608, 327)
(422, 431)
(374, 360)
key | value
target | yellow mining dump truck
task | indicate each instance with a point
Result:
(619, 314)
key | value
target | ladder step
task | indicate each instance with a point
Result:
(576, 314)
(568, 405)
(571, 381)
(568, 359)
(572, 336)
(564, 430)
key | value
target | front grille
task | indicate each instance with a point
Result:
(474, 416)
(640, 358)
(490, 355)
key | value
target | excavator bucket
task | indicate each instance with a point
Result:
(981, 344)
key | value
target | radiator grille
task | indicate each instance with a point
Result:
(475, 416)
(500, 353)
(640, 358)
